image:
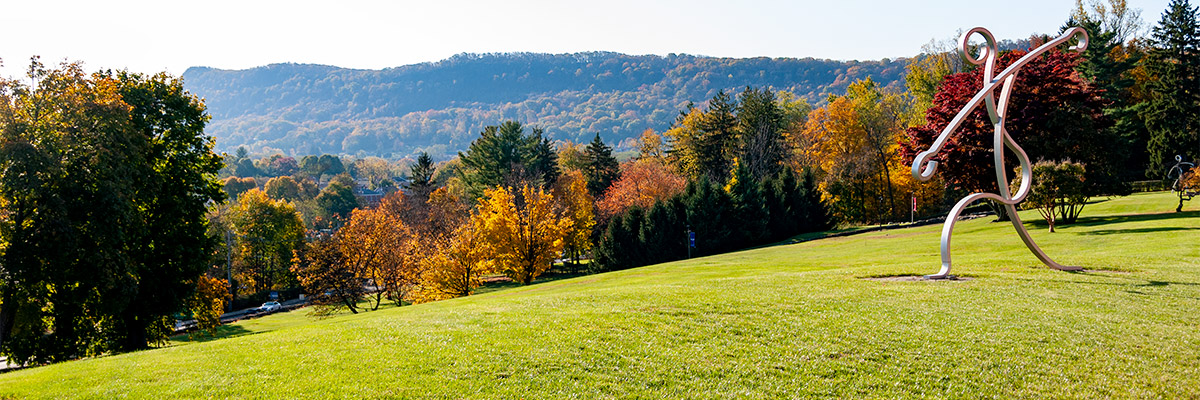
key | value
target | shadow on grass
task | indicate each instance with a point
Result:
(1120, 219)
(1132, 283)
(498, 283)
(222, 332)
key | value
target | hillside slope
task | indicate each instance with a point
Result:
(777, 322)
(442, 106)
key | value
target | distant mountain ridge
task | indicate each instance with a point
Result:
(441, 106)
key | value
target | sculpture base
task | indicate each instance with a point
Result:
(940, 277)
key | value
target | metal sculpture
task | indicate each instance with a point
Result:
(1185, 184)
(923, 166)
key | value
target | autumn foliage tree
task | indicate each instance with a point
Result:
(1052, 114)
(642, 183)
(379, 248)
(571, 192)
(522, 228)
(235, 186)
(328, 278)
(268, 233)
(208, 302)
(455, 266)
(852, 143)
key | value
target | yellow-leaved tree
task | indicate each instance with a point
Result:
(268, 232)
(522, 230)
(578, 206)
(853, 144)
(208, 302)
(455, 266)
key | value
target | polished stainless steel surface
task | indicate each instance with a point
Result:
(924, 167)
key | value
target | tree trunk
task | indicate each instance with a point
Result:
(135, 333)
(1000, 210)
(8, 313)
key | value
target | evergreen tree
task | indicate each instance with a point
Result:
(621, 246)
(663, 234)
(1108, 62)
(541, 161)
(816, 213)
(635, 249)
(709, 213)
(748, 208)
(1172, 113)
(778, 195)
(600, 167)
(505, 156)
(760, 120)
(718, 137)
(420, 180)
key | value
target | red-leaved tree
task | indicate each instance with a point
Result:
(1053, 114)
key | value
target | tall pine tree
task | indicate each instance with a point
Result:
(420, 181)
(1173, 112)
(505, 156)
(761, 122)
(600, 167)
(719, 137)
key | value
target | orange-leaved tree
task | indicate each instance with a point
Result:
(327, 278)
(378, 246)
(522, 229)
(208, 302)
(642, 183)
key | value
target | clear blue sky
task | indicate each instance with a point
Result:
(158, 35)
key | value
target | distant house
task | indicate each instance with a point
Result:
(369, 198)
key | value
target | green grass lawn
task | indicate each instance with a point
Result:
(788, 321)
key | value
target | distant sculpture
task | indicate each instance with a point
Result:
(1186, 184)
(923, 167)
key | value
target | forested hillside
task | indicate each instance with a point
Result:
(440, 107)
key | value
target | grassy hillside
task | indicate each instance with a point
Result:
(777, 322)
(440, 107)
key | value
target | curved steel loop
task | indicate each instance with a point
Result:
(923, 166)
(986, 52)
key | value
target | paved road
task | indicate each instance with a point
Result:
(231, 316)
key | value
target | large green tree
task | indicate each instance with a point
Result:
(104, 185)
(177, 179)
(505, 156)
(1110, 63)
(1172, 113)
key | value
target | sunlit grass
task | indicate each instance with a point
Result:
(775, 322)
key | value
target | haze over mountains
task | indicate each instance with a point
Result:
(440, 107)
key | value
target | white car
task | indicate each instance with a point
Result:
(270, 306)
